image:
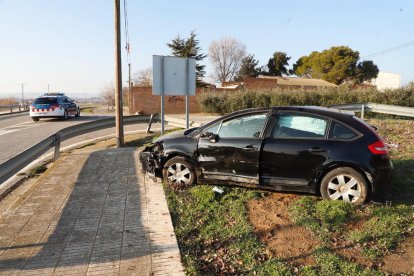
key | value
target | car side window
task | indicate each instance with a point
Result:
(341, 132)
(299, 126)
(213, 129)
(248, 126)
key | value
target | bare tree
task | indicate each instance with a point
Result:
(108, 93)
(226, 55)
(143, 78)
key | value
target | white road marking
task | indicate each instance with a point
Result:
(17, 127)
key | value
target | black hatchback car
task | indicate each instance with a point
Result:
(301, 149)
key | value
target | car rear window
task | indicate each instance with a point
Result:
(341, 132)
(45, 101)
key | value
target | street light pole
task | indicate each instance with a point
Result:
(118, 79)
(22, 84)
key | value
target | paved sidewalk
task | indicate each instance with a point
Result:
(91, 213)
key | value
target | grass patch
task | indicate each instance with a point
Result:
(322, 217)
(330, 264)
(139, 142)
(88, 110)
(385, 229)
(214, 232)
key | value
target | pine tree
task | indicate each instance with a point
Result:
(248, 68)
(278, 64)
(189, 47)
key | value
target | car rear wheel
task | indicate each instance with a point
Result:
(344, 184)
(35, 119)
(179, 173)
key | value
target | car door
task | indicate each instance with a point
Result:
(71, 106)
(296, 149)
(230, 150)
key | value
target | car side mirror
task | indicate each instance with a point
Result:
(213, 138)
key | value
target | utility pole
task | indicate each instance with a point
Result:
(22, 84)
(118, 79)
(129, 84)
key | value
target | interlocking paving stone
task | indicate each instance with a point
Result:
(93, 214)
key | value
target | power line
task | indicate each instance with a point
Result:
(390, 50)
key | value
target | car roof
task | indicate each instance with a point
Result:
(319, 110)
(325, 111)
(52, 95)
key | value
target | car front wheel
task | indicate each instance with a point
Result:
(77, 113)
(344, 184)
(179, 173)
(65, 115)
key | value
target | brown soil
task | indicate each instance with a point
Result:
(402, 260)
(284, 239)
(294, 244)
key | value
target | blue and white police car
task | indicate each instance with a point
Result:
(53, 105)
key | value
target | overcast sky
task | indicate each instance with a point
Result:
(69, 45)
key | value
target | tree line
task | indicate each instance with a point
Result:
(231, 62)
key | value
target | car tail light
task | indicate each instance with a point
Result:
(378, 148)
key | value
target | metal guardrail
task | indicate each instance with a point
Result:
(18, 162)
(377, 108)
(178, 122)
(14, 106)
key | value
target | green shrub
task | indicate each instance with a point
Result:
(224, 103)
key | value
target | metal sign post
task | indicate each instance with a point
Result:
(187, 94)
(174, 76)
(162, 94)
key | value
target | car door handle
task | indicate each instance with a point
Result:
(250, 148)
(316, 150)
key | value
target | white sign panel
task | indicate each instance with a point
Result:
(173, 76)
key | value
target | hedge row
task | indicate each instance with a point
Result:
(223, 103)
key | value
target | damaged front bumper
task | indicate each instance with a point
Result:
(151, 162)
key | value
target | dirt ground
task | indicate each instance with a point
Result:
(294, 244)
(284, 239)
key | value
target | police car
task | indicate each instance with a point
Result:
(53, 105)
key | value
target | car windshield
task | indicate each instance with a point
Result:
(45, 101)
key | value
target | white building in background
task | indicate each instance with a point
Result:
(387, 81)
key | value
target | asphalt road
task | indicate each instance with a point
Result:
(18, 132)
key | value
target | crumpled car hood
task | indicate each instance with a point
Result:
(175, 134)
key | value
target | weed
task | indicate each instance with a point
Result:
(38, 169)
(86, 145)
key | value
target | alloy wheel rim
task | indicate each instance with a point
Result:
(344, 187)
(178, 173)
